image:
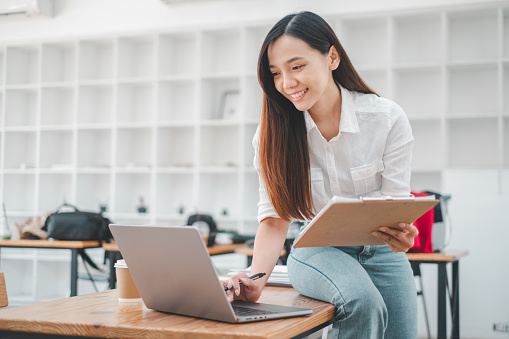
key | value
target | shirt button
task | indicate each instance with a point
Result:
(369, 172)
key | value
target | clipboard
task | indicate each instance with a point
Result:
(349, 222)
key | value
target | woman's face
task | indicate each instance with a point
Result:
(302, 74)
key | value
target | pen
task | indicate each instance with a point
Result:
(253, 277)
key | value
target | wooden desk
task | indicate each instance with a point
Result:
(75, 246)
(100, 315)
(113, 253)
(441, 260)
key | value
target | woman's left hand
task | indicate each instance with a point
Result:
(398, 240)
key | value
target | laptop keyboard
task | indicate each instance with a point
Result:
(247, 311)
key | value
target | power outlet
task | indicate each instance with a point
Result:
(501, 327)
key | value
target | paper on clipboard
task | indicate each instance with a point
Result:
(349, 222)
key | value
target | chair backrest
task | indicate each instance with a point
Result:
(3, 292)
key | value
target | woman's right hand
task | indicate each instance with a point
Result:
(249, 290)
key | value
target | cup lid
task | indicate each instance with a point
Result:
(121, 263)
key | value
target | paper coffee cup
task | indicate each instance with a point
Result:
(127, 291)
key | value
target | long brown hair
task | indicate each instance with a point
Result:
(284, 154)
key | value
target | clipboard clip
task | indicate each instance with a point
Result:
(387, 198)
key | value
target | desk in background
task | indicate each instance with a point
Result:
(74, 246)
(442, 259)
(113, 253)
(100, 315)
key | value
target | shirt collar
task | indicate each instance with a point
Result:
(348, 121)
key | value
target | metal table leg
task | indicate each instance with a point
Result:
(455, 307)
(74, 272)
(442, 306)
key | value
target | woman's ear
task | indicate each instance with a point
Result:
(334, 58)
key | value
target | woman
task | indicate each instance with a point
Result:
(324, 132)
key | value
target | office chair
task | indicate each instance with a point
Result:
(441, 215)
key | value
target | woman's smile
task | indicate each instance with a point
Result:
(297, 96)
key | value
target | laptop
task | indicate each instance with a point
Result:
(172, 270)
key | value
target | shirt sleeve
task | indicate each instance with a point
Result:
(397, 155)
(265, 209)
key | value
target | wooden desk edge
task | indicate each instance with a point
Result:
(216, 249)
(49, 243)
(15, 319)
(446, 255)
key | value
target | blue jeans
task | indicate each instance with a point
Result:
(372, 288)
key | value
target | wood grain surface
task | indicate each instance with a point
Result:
(214, 250)
(49, 243)
(446, 255)
(101, 315)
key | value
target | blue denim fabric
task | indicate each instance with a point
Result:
(372, 288)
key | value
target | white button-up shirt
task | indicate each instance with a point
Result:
(370, 156)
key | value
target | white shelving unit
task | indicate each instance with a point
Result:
(111, 119)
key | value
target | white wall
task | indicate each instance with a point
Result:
(480, 204)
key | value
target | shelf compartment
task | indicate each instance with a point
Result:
(377, 80)
(57, 150)
(426, 181)
(94, 149)
(466, 89)
(58, 62)
(214, 92)
(223, 51)
(177, 54)
(360, 37)
(175, 147)
(473, 35)
(129, 190)
(429, 150)
(20, 150)
(2, 72)
(54, 190)
(57, 106)
(251, 195)
(92, 191)
(175, 194)
(506, 142)
(249, 152)
(254, 40)
(254, 95)
(134, 148)
(410, 86)
(134, 103)
(95, 104)
(50, 284)
(22, 65)
(16, 281)
(176, 101)
(505, 47)
(425, 49)
(219, 146)
(506, 89)
(21, 107)
(96, 59)
(136, 57)
(473, 143)
(210, 202)
(19, 193)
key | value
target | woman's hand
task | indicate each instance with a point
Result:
(398, 240)
(249, 290)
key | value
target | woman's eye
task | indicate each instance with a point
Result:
(275, 74)
(297, 67)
